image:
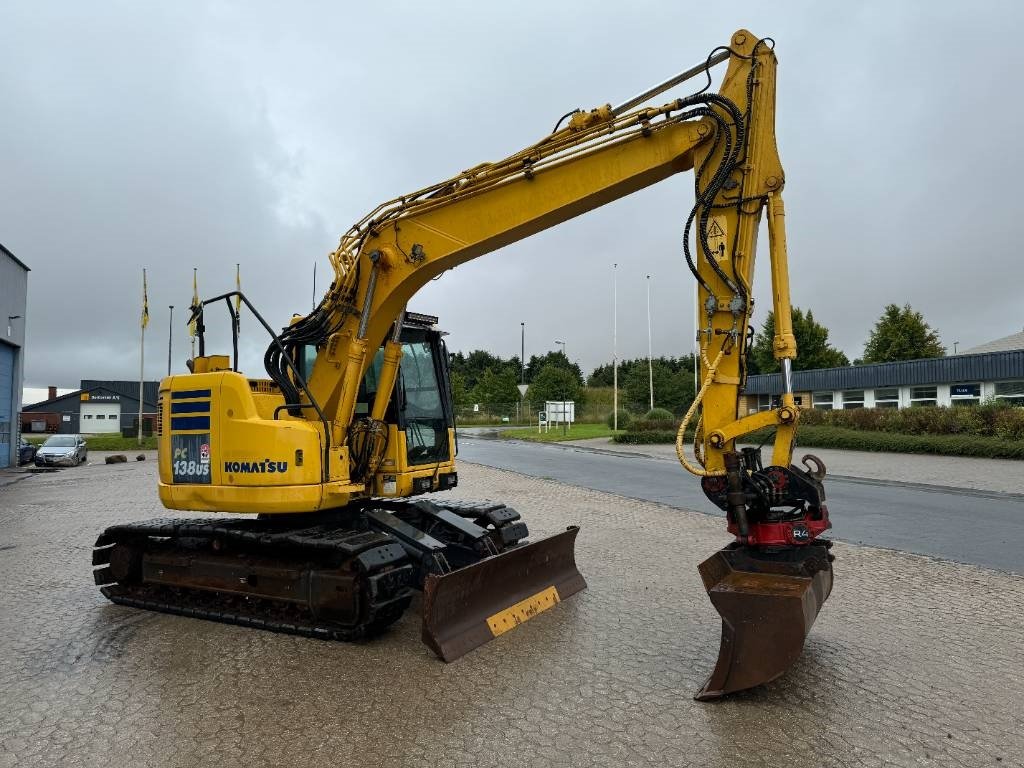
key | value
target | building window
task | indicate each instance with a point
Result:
(822, 401)
(889, 397)
(965, 394)
(87, 416)
(924, 396)
(112, 416)
(1010, 392)
(764, 402)
(853, 398)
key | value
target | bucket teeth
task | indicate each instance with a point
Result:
(466, 608)
(768, 603)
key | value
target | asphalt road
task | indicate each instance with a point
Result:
(969, 526)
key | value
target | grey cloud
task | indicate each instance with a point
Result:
(256, 133)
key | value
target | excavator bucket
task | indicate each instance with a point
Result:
(466, 608)
(768, 605)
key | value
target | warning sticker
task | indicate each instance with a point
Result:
(716, 237)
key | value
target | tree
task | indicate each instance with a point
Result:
(672, 389)
(554, 382)
(902, 334)
(557, 359)
(813, 349)
(496, 392)
(460, 396)
(471, 366)
(603, 376)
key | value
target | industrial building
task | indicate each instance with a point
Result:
(13, 299)
(965, 379)
(96, 408)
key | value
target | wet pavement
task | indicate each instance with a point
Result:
(913, 661)
(968, 525)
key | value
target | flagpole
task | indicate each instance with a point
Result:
(142, 350)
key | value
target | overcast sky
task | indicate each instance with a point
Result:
(204, 134)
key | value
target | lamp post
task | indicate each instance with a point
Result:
(9, 318)
(564, 417)
(170, 338)
(650, 365)
(522, 354)
(615, 347)
(955, 343)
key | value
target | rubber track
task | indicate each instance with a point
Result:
(249, 611)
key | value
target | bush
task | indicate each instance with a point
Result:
(625, 419)
(645, 438)
(825, 436)
(992, 419)
(653, 425)
(658, 414)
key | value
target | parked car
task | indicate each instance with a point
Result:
(26, 451)
(61, 451)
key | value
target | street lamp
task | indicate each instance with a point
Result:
(650, 365)
(564, 416)
(9, 318)
(615, 347)
(954, 346)
(522, 354)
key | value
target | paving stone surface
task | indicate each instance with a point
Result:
(913, 661)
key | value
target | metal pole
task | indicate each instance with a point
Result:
(170, 339)
(522, 354)
(650, 365)
(314, 285)
(142, 367)
(615, 346)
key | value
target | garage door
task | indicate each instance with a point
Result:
(6, 396)
(98, 418)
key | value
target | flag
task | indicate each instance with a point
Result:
(238, 299)
(145, 301)
(195, 304)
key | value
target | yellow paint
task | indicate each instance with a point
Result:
(523, 611)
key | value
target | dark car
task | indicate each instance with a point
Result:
(26, 451)
(61, 451)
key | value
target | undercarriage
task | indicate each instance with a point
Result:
(344, 575)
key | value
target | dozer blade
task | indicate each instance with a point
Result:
(466, 608)
(768, 604)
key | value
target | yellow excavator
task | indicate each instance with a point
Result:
(327, 456)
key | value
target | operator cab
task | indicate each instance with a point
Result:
(421, 403)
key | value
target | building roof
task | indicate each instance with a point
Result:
(15, 259)
(1005, 344)
(989, 366)
(126, 389)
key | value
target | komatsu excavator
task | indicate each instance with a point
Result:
(356, 417)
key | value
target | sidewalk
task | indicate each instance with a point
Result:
(1000, 475)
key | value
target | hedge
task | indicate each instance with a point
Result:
(991, 419)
